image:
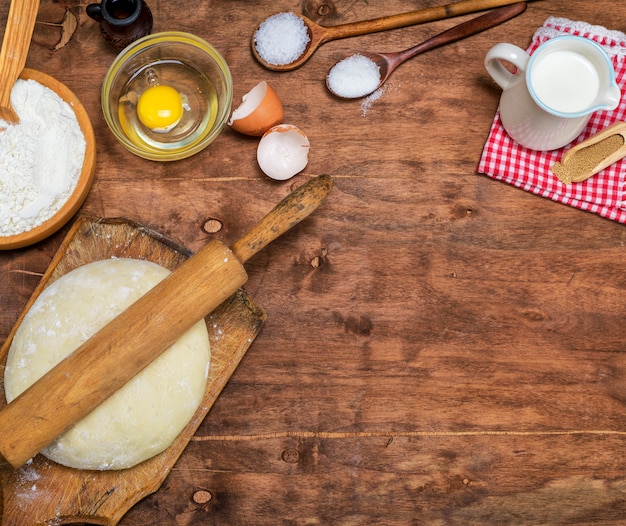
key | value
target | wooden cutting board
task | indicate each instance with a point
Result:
(43, 492)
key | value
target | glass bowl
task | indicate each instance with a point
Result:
(85, 179)
(189, 64)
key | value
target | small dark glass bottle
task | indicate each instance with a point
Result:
(121, 21)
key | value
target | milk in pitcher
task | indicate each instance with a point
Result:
(565, 81)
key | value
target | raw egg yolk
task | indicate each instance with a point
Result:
(160, 108)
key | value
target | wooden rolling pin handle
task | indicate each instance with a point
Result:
(289, 212)
(132, 340)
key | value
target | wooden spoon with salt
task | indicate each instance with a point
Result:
(592, 155)
(388, 62)
(15, 44)
(318, 35)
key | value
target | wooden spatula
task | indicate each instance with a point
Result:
(121, 349)
(17, 37)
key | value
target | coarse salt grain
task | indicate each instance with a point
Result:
(354, 77)
(369, 100)
(281, 38)
(41, 158)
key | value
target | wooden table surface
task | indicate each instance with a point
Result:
(441, 348)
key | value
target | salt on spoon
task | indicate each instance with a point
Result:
(15, 44)
(285, 41)
(281, 38)
(363, 73)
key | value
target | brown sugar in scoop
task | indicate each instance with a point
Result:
(593, 155)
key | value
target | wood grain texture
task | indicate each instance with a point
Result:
(440, 348)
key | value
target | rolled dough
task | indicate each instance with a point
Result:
(146, 415)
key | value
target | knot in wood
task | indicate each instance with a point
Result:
(202, 496)
(323, 9)
(318, 261)
(291, 455)
(212, 226)
(318, 9)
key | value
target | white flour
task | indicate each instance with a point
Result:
(40, 158)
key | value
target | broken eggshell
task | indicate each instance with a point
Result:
(283, 152)
(260, 110)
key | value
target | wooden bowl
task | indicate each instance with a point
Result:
(85, 180)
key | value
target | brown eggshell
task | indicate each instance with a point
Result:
(260, 110)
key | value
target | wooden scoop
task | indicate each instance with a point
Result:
(132, 340)
(592, 155)
(17, 36)
(319, 34)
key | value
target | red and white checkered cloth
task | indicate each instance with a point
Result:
(504, 159)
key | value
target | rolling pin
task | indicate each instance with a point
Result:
(132, 340)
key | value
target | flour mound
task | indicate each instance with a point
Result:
(41, 158)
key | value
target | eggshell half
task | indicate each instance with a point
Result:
(283, 152)
(260, 109)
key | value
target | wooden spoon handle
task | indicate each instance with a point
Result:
(132, 340)
(421, 16)
(464, 30)
(15, 44)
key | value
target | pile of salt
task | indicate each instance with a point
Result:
(354, 77)
(281, 38)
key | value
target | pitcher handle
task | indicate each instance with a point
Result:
(510, 53)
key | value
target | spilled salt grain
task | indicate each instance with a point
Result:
(367, 102)
(354, 77)
(281, 38)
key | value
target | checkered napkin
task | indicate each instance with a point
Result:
(504, 159)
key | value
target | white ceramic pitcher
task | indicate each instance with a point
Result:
(548, 101)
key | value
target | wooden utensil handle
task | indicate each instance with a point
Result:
(132, 340)
(15, 44)
(466, 29)
(290, 211)
(421, 16)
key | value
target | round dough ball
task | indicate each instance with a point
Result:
(146, 415)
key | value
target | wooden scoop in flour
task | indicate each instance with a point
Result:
(121, 349)
(17, 36)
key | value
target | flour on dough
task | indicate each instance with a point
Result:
(146, 415)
